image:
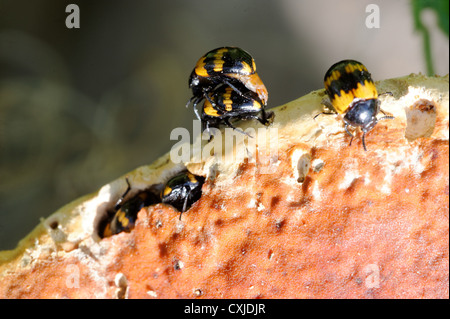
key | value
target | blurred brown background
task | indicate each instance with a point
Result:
(80, 107)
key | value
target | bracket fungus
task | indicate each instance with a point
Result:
(324, 219)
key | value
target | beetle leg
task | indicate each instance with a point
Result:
(186, 197)
(267, 118)
(325, 113)
(348, 132)
(326, 102)
(197, 113)
(233, 87)
(228, 123)
(119, 202)
(205, 127)
(210, 100)
(190, 101)
(386, 117)
(364, 140)
(386, 93)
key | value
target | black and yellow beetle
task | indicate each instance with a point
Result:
(225, 65)
(351, 92)
(125, 213)
(182, 190)
(225, 104)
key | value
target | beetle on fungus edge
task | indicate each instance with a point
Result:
(125, 213)
(182, 190)
(351, 92)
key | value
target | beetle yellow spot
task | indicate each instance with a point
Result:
(209, 110)
(342, 102)
(200, 68)
(123, 219)
(192, 178)
(218, 60)
(256, 104)
(167, 191)
(107, 232)
(334, 76)
(366, 91)
(350, 68)
(227, 99)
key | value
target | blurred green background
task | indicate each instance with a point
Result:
(80, 107)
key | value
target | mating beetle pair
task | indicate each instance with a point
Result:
(181, 191)
(226, 80)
